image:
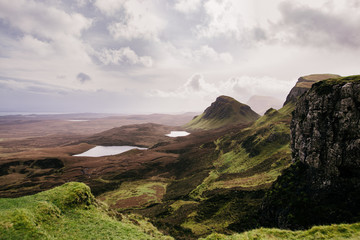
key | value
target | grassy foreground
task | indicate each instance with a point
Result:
(67, 212)
(341, 231)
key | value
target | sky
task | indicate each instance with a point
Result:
(162, 56)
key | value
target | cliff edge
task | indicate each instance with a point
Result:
(323, 184)
(304, 83)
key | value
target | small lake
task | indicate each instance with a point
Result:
(77, 120)
(177, 134)
(101, 151)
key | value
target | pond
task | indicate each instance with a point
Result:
(101, 151)
(177, 134)
(77, 120)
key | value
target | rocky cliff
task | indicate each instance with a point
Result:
(304, 83)
(325, 128)
(323, 185)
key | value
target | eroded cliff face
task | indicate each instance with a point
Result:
(323, 184)
(325, 129)
(304, 84)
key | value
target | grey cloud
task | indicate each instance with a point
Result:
(194, 82)
(316, 27)
(82, 77)
(259, 34)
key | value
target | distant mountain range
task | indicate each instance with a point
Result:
(262, 103)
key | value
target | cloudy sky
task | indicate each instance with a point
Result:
(142, 56)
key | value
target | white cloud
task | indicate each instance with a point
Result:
(241, 88)
(227, 18)
(333, 23)
(109, 7)
(51, 42)
(123, 55)
(35, 46)
(195, 86)
(82, 3)
(203, 54)
(46, 21)
(206, 52)
(135, 19)
(187, 6)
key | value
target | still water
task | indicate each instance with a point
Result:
(100, 151)
(177, 134)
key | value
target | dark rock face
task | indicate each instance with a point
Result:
(323, 184)
(325, 129)
(304, 84)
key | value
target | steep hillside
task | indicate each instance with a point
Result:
(219, 184)
(304, 84)
(323, 185)
(67, 212)
(224, 111)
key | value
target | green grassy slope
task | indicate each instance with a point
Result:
(222, 183)
(333, 232)
(66, 212)
(248, 163)
(253, 158)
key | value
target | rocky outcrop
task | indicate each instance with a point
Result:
(323, 184)
(223, 112)
(304, 84)
(325, 128)
(225, 107)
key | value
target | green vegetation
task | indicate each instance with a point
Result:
(334, 232)
(135, 194)
(247, 163)
(66, 212)
(200, 123)
(325, 87)
(178, 204)
(304, 84)
(253, 158)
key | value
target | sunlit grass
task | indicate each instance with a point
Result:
(135, 194)
(66, 212)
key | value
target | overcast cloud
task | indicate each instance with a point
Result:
(134, 56)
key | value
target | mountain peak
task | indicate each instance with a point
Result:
(224, 111)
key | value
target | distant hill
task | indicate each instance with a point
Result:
(142, 135)
(262, 103)
(224, 111)
(304, 83)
